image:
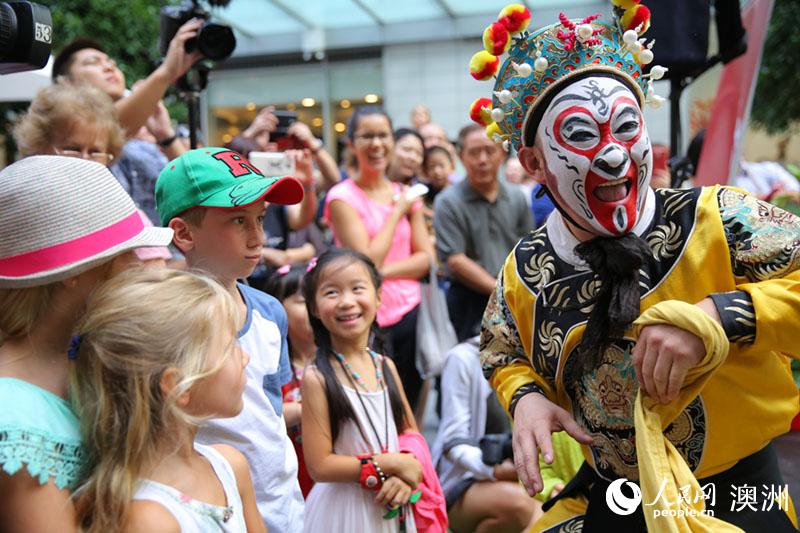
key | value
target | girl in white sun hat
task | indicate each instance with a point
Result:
(66, 225)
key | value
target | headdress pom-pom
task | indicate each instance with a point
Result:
(483, 65)
(515, 18)
(494, 133)
(625, 4)
(496, 39)
(481, 111)
(636, 18)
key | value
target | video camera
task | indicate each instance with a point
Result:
(26, 36)
(496, 448)
(214, 41)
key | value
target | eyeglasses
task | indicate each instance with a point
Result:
(104, 158)
(367, 138)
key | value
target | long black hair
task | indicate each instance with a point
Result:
(339, 408)
(282, 284)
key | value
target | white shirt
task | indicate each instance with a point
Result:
(259, 431)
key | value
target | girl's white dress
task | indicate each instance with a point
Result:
(195, 516)
(346, 507)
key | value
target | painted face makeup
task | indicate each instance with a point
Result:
(597, 148)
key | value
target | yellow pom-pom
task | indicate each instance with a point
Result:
(493, 132)
(625, 4)
(496, 39)
(481, 111)
(636, 18)
(483, 65)
(515, 17)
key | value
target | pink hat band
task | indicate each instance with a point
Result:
(61, 216)
(64, 253)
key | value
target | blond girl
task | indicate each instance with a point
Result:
(158, 355)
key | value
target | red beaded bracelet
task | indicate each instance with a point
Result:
(369, 479)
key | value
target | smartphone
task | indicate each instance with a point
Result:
(416, 190)
(285, 119)
(272, 163)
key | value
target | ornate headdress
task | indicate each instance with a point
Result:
(540, 62)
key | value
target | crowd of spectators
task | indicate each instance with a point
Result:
(463, 225)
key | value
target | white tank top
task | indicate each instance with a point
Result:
(195, 516)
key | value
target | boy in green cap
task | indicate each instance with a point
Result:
(214, 200)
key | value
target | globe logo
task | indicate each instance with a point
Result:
(618, 502)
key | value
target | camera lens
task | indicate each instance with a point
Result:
(8, 28)
(216, 41)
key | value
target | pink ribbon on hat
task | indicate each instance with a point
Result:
(64, 253)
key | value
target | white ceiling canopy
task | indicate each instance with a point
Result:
(266, 27)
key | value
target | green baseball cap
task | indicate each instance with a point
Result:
(221, 178)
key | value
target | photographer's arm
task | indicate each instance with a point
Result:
(134, 109)
(300, 215)
(159, 125)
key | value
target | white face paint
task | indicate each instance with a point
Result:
(598, 154)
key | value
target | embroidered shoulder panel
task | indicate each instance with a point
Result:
(764, 240)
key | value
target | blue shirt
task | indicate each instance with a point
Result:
(261, 307)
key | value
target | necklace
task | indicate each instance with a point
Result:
(358, 378)
(384, 445)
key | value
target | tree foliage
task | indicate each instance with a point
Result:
(127, 30)
(776, 105)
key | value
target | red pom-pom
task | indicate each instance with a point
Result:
(635, 17)
(481, 111)
(483, 65)
(515, 18)
(496, 39)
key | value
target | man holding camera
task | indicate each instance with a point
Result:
(142, 114)
(85, 61)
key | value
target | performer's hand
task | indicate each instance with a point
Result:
(662, 357)
(535, 419)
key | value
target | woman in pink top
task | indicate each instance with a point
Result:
(370, 214)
